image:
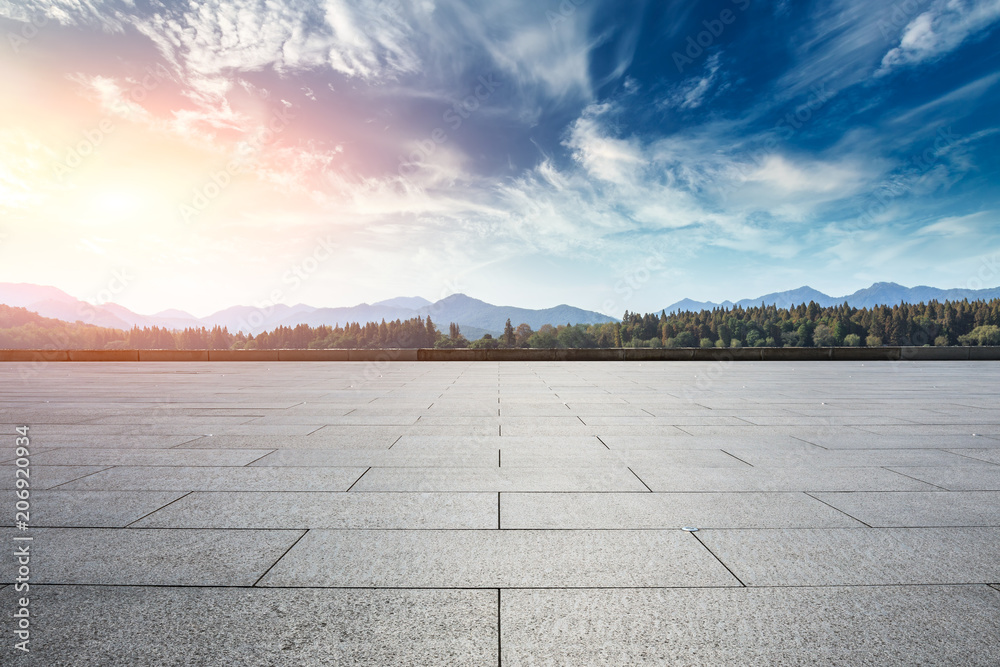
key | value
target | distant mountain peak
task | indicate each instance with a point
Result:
(411, 302)
(878, 294)
(173, 312)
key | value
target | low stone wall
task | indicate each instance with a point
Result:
(615, 354)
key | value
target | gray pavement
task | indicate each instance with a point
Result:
(516, 513)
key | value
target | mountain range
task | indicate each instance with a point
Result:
(475, 317)
(879, 294)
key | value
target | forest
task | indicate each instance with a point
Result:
(805, 325)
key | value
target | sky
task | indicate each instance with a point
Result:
(611, 155)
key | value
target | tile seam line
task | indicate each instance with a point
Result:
(736, 457)
(695, 536)
(499, 632)
(971, 458)
(358, 479)
(278, 560)
(523, 588)
(259, 458)
(810, 494)
(915, 479)
(185, 495)
(808, 442)
(639, 478)
(75, 479)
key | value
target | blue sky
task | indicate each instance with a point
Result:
(611, 155)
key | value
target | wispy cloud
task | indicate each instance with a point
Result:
(693, 92)
(940, 30)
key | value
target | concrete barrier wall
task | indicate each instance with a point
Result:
(937, 353)
(244, 355)
(34, 355)
(313, 355)
(173, 355)
(383, 355)
(431, 354)
(614, 354)
(103, 355)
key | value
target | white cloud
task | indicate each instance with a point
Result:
(963, 225)
(939, 31)
(808, 176)
(960, 97)
(603, 157)
(693, 92)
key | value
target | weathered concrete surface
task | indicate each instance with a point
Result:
(516, 513)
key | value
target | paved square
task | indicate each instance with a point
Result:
(512, 513)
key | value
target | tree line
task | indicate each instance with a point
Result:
(811, 325)
(805, 325)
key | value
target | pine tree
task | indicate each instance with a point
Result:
(508, 337)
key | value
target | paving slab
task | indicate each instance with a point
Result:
(975, 430)
(618, 511)
(650, 420)
(607, 478)
(147, 417)
(885, 625)
(46, 477)
(829, 420)
(806, 455)
(687, 441)
(175, 478)
(359, 438)
(991, 455)
(126, 626)
(163, 557)
(251, 429)
(93, 509)
(497, 559)
(919, 509)
(395, 457)
(40, 438)
(275, 509)
(148, 457)
(704, 479)
(492, 442)
(858, 556)
(955, 478)
(873, 441)
(10, 454)
(698, 457)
